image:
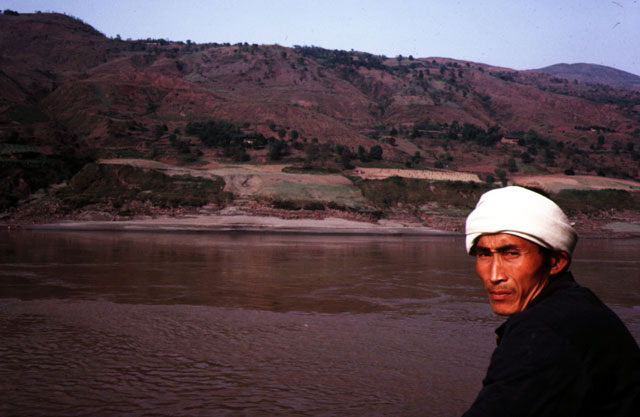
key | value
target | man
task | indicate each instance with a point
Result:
(561, 352)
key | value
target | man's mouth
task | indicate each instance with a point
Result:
(499, 295)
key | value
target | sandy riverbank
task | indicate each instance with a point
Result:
(246, 223)
(251, 223)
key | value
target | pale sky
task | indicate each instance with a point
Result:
(518, 34)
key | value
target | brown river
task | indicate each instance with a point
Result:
(151, 324)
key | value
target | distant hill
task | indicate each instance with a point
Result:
(594, 74)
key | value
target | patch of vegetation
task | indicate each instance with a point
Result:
(596, 201)
(26, 114)
(374, 153)
(623, 98)
(336, 58)
(128, 154)
(120, 184)
(505, 76)
(320, 157)
(413, 192)
(233, 141)
(214, 133)
(18, 149)
(595, 128)
(298, 205)
(310, 170)
(24, 169)
(277, 149)
(473, 133)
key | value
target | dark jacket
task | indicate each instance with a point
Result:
(566, 354)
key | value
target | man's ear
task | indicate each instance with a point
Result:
(559, 260)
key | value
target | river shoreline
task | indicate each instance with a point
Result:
(260, 219)
(246, 223)
(273, 224)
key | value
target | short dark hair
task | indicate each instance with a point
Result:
(546, 258)
(546, 255)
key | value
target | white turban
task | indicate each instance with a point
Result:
(523, 213)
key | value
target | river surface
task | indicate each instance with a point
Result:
(137, 324)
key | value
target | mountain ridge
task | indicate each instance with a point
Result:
(77, 96)
(593, 73)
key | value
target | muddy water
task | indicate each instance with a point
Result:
(116, 324)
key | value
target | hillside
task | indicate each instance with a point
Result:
(593, 74)
(70, 96)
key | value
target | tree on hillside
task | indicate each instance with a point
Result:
(616, 146)
(277, 149)
(454, 130)
(502, 175)
(213, 133)
(362, 154)
(473, 133)
(312, 153)
(159, 131)
(549, 157)
(493, 136)
(470, 132)
(375, 152)
(237, 152)
(316, 153)
(346, 158)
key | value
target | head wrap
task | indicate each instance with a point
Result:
(523, 213)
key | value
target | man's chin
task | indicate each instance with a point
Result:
(502, 309)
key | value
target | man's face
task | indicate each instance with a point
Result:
(513, 271)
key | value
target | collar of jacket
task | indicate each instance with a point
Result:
(556, 283)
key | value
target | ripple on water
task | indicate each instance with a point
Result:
(99, 358)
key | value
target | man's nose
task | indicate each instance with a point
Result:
(497, 270)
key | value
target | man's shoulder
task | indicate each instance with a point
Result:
(575, 316)
(569, 308)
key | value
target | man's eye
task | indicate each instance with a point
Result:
(513, 253)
